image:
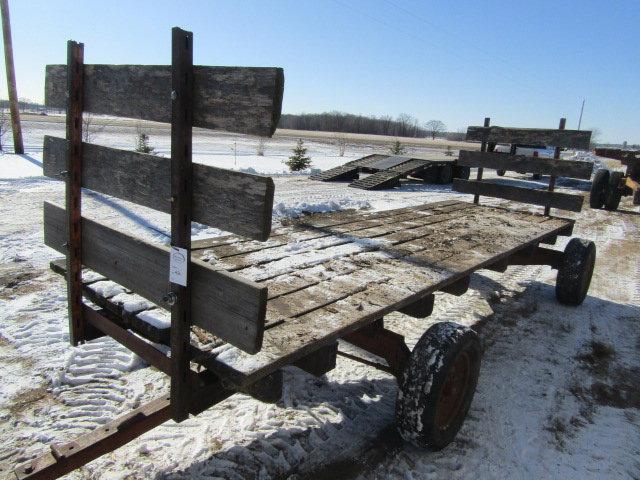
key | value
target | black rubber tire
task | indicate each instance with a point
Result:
(575, 271)
(599, 188)
(613, 194)
(537, 176)
(424, 382)
(501, 172)
(462, 172)
(445, 174)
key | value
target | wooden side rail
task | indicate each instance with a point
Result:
(224, 304)
(237, 202)
(578, 139)
(564, 201)
(526, 164)
(235, 99)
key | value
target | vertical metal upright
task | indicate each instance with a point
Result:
(75, 89)
(483, 148)
(556, 156)
(181, 197)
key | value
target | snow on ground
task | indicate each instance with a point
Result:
(558, 395)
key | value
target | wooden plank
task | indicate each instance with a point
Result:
(235, 99)
(579, 139)
(563, 201)
(73, 191)
(393, 243)
(411, 281)
(224, 304)
(181, 200)
(332, 237)
(418, 255)
(526, 164)
(233, 201)
(313, 226)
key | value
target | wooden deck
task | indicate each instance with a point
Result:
(328, 275)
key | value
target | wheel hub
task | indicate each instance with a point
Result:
(453, 392)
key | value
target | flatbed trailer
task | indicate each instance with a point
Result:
(609, 186)
(258, 300)
(386, 171)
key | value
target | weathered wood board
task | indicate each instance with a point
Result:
(356, 289)
(579, 139)
(229, 306)
(526, 164)
(563, 201)
(235, 99)
(237, 202)
(317, 296)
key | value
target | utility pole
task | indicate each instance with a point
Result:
(581, 110)
(11, 79)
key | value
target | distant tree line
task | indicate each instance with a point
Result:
(29, 106)
(404, 125)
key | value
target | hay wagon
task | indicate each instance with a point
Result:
(609, 186)
(233, 310)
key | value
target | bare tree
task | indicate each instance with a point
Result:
(341, 143)
(4, 127)
(260, 147)
(434, 127)
(90, 127)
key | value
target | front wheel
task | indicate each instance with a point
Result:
(575, 271)
(437, 385)
(613, 193)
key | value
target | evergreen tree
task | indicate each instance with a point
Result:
(142, 144)
(397, 148)
(299, 160)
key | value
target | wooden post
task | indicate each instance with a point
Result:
(483, 148)
(75, 84)
(11, 79)
(181, 195)
(556, 156)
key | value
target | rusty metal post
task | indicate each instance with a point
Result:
(75, 76)
(18, 146)
(483, 148)
(556, 156)
(181, 196)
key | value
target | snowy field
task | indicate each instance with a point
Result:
(558, 396)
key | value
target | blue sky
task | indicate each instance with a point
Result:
(521, 63)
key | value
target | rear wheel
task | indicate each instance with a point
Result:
(613, 193)
(599, 188)
(437, 385)
(575, 271)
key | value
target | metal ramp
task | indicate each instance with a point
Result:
(391, 176)
(348, 171)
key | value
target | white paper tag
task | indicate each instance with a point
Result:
(178, 266)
